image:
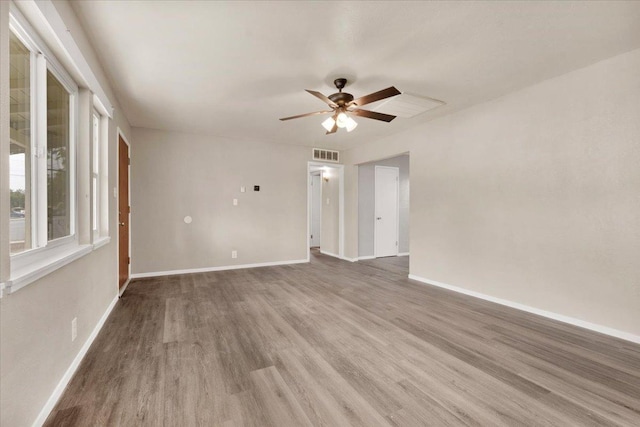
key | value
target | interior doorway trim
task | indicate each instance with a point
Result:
(340, 169)
(119, 135)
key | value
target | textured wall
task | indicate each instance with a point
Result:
(533, 197)
(35, 321)
(178, 174)
(330, 242)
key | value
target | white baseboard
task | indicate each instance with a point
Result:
(362, 258)
(57, 392)
(124, 287)
(221, 268)
(548, 314)
(344, 258)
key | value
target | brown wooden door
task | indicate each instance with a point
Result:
(123, 212)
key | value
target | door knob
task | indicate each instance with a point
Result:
(122, 224)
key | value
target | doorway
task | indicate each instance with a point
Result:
(386, 211)
(327, 233)
(316, 209)
(368, 209)
(124, 214)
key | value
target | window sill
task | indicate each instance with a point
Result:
(100, 242)
(36, 270)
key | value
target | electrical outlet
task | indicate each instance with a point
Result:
(235, 202)
(243, 189)
(234, 254)
(74, 329)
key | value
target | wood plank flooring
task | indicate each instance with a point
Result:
(333, 343)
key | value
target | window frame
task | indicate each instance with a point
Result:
(45, 253)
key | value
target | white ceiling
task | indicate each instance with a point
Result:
(233, 68)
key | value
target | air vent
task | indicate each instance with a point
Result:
(325, 155)
(406, 105)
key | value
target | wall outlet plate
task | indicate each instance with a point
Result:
(234, 254)
(256, 188)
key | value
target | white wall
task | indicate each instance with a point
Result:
(366, 204)
(532, 197)
(330, 241)
(178, 174)
(35, 321)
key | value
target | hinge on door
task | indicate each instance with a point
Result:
(129, 160)
(129, 207)
(129, 260)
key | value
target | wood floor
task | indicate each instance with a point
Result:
(334, 343)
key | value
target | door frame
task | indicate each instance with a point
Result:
(375, 214)
(120, 134)
(340, 169)
(319, 174)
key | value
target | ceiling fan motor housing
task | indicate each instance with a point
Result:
(341, 98)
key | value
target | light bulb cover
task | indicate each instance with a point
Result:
(351, 124)
(328, 124)
(342, 120)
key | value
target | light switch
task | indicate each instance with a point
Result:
(243, 189)
(235, 202)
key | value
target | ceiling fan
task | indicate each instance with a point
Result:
(340, 104)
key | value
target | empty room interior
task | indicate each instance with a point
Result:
(328, 213)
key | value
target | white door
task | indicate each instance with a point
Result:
(386, 211)
(316, 210)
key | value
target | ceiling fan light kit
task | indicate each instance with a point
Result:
(340, 104)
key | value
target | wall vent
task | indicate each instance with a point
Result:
(325, 155)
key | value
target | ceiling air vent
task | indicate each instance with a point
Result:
(325, 155)
(406, 105)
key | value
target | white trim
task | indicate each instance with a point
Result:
(362, 258)
(50, 15)
(548, 314)
(64, 381)
(344, 258)
(120, 134)
(341, 220)
(46, 265)
(403, 254)
(330, 254)
(124, 287)
(220, 268)
(100, 242)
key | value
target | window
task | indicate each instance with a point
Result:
(53, 158)
(20, 146)
(95, 175)
(42, 148)
(58, 159)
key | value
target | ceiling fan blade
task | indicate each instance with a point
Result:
(307, 114)
(333, 129)
(322, 97)
(373, 115)
(376, 96)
